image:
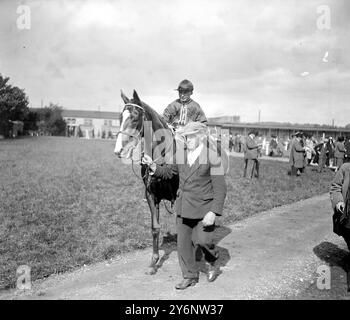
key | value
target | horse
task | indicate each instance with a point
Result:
(138, 123)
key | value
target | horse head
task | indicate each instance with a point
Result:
(131, 128)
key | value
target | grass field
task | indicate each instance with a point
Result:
(67, 202)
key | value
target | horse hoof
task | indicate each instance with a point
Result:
(151, 271)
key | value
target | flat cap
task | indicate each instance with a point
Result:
(193, 128)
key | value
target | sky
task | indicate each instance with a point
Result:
(285, 58)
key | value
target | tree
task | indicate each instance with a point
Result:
(347, 126)
(31, 121)
(50, 120)
(13, 105)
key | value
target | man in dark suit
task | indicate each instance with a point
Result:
(339, 152)
(251, 149)
(297, 155)
(347, 148)
(201, 196)
(323, 155)
(340, 198)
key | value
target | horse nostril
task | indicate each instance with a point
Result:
(118, 153)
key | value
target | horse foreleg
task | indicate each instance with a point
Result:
(155, 235)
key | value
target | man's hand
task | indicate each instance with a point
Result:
(147, 160)
(171, 127)
(209, 219)
(340, 206)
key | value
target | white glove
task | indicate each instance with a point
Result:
(146, 159)
(209, 219)
(171, 127)
(340, 206)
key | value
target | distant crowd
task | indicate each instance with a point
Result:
(301, 149)
(325, 153)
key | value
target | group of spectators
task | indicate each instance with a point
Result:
(303, 150)
(326, 153)
(273, 147)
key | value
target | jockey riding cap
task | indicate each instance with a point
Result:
(185, 85)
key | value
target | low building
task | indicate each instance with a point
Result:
(281, 131)
(225, 119)
(91, 124)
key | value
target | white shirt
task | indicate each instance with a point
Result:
(194, 154)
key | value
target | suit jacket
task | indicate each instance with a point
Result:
(339, 151)
(202, 186)
(297, 155)
(340, 186)
(323, 151)
(347, 147)
(251, 148)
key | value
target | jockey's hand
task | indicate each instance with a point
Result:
(340, 206)
(209, 219)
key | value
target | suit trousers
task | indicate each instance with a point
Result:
(338, 162)
(321, 164)
(191, 235)
(255, 167)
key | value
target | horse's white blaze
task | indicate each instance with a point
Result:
(119, 142)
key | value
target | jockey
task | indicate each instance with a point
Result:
(184, 110)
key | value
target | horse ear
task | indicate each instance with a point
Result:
(124, 97)
(136, 97)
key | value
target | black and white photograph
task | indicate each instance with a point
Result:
(186, 151)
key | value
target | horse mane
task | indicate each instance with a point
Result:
(154, 115)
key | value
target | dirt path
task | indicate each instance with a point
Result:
(274, 254)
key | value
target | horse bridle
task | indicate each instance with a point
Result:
(139, 135)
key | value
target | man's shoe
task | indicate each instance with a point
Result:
(213, 272)
(186, 283)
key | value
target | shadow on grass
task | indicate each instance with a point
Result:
(169, 245)
(334, 257)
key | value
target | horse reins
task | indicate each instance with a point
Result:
(138, 137)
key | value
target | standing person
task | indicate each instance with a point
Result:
(314, 156)
(330, 154)
(347, 148)
(318, 147)
(231, 144)
(339, 152)
(297, 155)
(273, 146)
(201, 196)
(323, 155)
(309, 148)
(251, 151)
(184, 110)
(340, 198)
(240, 143)
(236, 143)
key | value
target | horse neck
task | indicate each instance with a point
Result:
(159, 128)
